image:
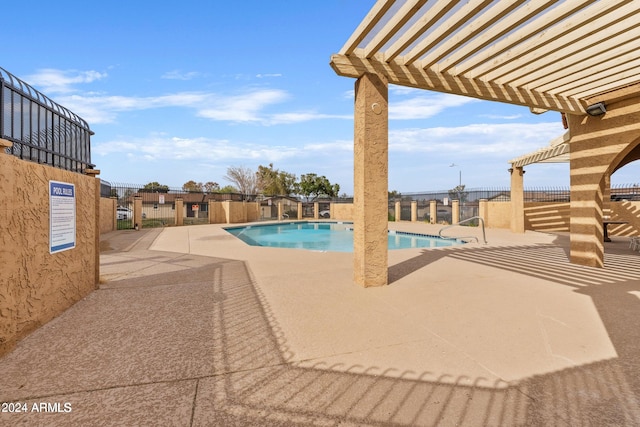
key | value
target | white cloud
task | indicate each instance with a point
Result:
(425, 106)
(504, 140)
(261, 76)
(179, 75)
(51, 81)
(160, 147)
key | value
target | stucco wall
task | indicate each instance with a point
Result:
(36, 286)
(625, 211)
(547, 216)
(342, 211)
(497, 215)
(108, 220)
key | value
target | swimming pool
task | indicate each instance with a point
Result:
(326, 236)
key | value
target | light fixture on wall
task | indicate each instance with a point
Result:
(597, 109)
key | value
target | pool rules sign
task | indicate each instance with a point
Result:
(62, 216)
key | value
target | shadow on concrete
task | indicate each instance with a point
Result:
(197, 344)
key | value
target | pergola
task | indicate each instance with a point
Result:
(579, 57)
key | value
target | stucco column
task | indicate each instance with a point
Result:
(137, 212)
(179, 211)
(517, 199)
(414, 210)
(483, 211)
(279, 210)
(371, 171)
(398, 211)
(606, 203)
(316, 210)
(455, 211)
(212, 213)
(299, 210)
(94, 173)
(597, 146)
(433, 211)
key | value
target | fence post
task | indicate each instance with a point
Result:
(96, 194)
(455, 211)
(316, 210)
(414, 210)
(137, 212)
(483, 211)
(398, 210)
(299, 210)
(432, 211)
(179, 211)
(279, 210)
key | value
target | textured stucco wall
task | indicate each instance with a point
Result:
(108, 214)
(253, 211)
(36, 286)
(625, 211)
(342, 211)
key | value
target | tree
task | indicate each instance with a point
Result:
(458, 193)
(154, 187)
(211, 187)
(243, 178)
(313, 186)
(275, 182)
(192, 187)
(228, 189)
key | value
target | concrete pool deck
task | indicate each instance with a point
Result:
(191, 326)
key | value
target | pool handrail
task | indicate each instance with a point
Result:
(484, 237)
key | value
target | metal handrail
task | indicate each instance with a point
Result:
(484, 237)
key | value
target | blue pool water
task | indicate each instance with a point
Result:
(326, 236)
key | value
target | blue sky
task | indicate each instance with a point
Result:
(179, 91)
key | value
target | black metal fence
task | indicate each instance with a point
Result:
(41, 130)
(159, 202)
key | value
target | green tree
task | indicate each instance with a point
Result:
(458, 193)
(313, 186)
(275, 182)
(154, 187)
(192, 187)
(227, 189)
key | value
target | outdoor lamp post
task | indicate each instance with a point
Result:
(453, 165)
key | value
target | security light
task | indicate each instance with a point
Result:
(596, 109)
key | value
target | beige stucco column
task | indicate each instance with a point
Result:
(299, 210)
(597, 145)
(371, 163)
(279, 210)
(179, 211)
(398, 211)
(517, 199)
(433, 211)
(137, 213)
(94, 173)
(414, 210)
(455, 211)
(316, 210)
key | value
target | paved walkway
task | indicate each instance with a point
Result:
(192, 327)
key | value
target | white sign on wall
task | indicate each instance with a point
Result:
(62, 216)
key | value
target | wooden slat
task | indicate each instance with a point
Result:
(468, 32)
(573, 75)
(373, 17)
(414, 76)
(558, 69)
(434, 14)
(571, 46)
(539, 45)
(552, 17)
(439, 33)
(403, 15)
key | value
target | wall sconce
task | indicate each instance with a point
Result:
(597, 109)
